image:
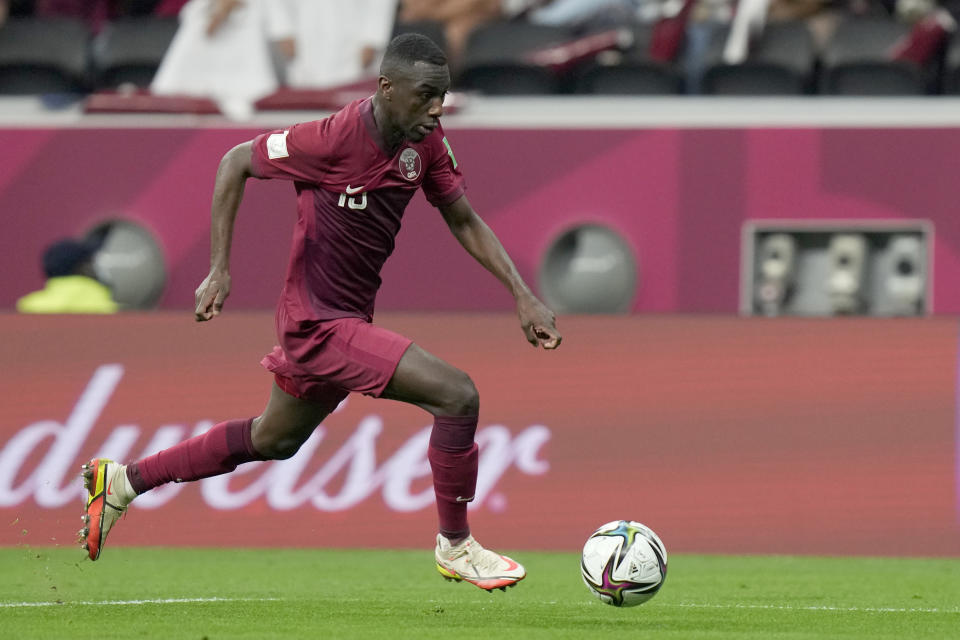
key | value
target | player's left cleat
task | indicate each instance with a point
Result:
(481, 567)
(106, 485)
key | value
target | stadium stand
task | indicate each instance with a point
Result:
(634, 72)
(951, 71)
(494, 61)
(631, 76)
(857, 60)
(129, 51)
(511, 57)
(40, 56)
(780, 63)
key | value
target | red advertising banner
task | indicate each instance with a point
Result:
(723, 434)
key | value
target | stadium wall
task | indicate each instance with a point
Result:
(679, 195)
(724, 434)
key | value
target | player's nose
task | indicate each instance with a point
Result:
(436, 108)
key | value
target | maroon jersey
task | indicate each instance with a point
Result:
(351, 194)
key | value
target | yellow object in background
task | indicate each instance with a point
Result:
(69, 294)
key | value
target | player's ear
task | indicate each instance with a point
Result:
(385, 87)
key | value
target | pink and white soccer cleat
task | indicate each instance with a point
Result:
(471, 562)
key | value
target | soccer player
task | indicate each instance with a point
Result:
(354, 173)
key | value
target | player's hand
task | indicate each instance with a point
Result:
(538, 322)
(211, 294)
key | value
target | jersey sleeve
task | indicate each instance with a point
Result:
(302, 152)
(443, 182)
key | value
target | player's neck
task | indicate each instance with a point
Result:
(392, 135)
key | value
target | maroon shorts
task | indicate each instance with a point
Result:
(324, 361)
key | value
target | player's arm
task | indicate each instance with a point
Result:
(235, 168)
(538, 322)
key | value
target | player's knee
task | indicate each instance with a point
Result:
(272, 446)
(464, 399)
(279, 449)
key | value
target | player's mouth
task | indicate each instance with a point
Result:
(425, 129)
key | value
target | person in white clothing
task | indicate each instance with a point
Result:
(338, 43)
(222, 51)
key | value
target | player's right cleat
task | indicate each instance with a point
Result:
(471, 562)
(106, 483)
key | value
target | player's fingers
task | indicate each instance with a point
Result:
(204, 301)
(218, 301)
(531, 333)
(548, 339)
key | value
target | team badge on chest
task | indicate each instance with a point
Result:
(410, 164)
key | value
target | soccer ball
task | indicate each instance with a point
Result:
(624, 563)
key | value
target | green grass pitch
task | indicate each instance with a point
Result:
(305, 593)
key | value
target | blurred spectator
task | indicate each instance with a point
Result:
(932, 27)
(168, 8)
(748, 23)
(71, 285)
(823, 16)
(458, 17)
(94, 12)
(931, 24)
(222, 51)
(820, 16)
(589, 13)
(707, 17)
(669, 18)
(338, 42)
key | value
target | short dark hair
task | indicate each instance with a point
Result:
(66, 257)
(407, 49)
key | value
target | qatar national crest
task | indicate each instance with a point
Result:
(410, 164)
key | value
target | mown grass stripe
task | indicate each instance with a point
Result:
(64, 603)
(783, 607)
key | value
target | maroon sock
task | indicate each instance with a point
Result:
(213, 453)
(454, 459)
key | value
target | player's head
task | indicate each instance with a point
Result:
(69, 257)
(414, 78)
